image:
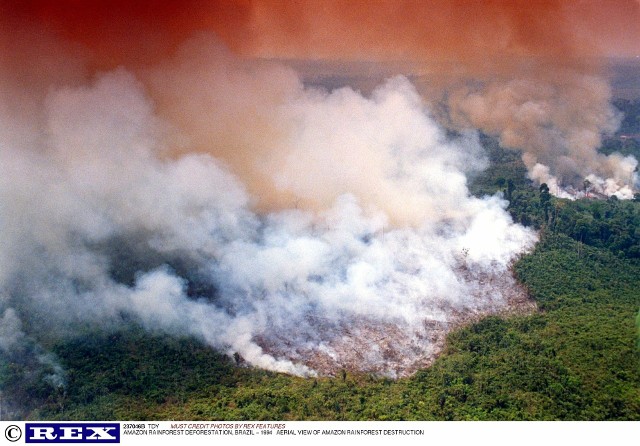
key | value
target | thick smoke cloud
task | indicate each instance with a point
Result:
(304, 147)
(109, 212)
(558, 124)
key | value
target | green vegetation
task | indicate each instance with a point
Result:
(626, 141)
(612, 224)
(505, 172)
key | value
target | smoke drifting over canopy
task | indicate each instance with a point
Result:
(157, 166)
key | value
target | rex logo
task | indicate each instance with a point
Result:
(72, 433)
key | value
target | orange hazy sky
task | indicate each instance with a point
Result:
(469, 31)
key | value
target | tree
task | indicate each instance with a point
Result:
(510, 188)
(545, 198)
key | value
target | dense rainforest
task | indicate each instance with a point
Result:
(577, 357)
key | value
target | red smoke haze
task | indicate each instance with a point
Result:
(479, 34)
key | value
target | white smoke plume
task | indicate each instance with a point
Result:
(558, 121)
(114, 201)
